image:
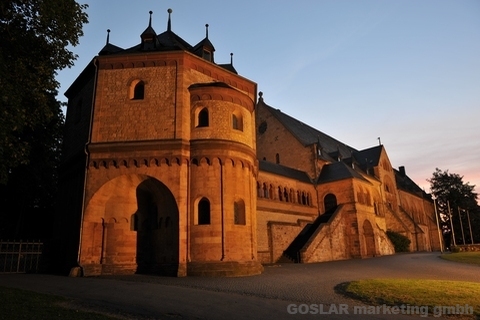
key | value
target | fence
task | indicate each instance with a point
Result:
(20, 256)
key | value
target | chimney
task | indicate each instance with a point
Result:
(402, 171)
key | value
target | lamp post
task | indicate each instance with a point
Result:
(470, 226)
(461, 225)
(451, 223)
(440, 237)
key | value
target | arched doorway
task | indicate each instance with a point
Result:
(131, 224)
(157, 229)
(330, 202)
(369, 238)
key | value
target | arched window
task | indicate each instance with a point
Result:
(234, 122)
(285, 194)
(239, 212)
(265, 191)
(330, 202)
(204, 211)
(137, 90)
(277, 158)
(203, 118)
(259, 191)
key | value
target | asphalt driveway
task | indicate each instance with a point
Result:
(283, 291)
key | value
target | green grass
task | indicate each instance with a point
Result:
(465, 257)
(431, 293)
(20, 304)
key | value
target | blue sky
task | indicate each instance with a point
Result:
(406, 71)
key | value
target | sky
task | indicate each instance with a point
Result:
(404, 71)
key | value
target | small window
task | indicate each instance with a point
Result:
(234, 122)
(277, 158)
(237, 122)
(204, 211)
(203, 118)
(239, 212)
(137, 90)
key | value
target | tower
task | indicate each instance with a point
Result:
(169, 182)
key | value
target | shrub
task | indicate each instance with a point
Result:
(400, 242)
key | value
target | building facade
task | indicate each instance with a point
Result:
(174, 164)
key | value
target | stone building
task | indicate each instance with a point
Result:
(174, 164)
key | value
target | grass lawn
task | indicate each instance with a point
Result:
(20, 304)
(431, 293)
(465, 257)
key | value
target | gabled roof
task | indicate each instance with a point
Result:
(205, 43)
(229, 67)
(368, 157)
(307, 135)
(338, 171)
(284, 171)
(110, 49)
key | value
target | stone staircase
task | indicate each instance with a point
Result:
(292, 253)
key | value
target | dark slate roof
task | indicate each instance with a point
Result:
(167, 41)
(338, 171)
(406, 184)
(368, 157)
(284, 171)
(110, 49)
(205, 43)
(308, 135)
(229, 67)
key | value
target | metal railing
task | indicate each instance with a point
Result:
(20, 256)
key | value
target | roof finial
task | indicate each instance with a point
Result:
(169, 25)
(260, 96)
(231, 58)
(108, 36)
(206, 31)
(150, 21)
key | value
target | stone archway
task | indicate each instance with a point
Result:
(131, 225)
(330, 202)
(157, 229)
(369, 239)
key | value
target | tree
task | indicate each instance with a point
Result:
(34, 40)
(454, 198)
(35, 37)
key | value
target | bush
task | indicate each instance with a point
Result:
(400, 242)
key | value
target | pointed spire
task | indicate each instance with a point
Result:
(150, 21)
(231, 58)
(169, 24)
(108, 36)
(206, 31)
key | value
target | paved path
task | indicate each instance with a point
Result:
(258, 297)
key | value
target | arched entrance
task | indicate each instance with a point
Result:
(330, 202)
(369, 239)
(157, 229)
(131, 225)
